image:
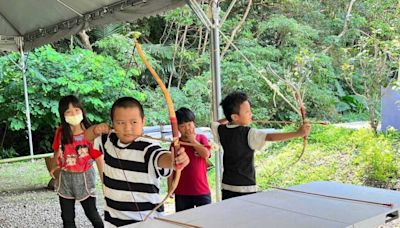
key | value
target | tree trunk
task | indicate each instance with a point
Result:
(85, 40)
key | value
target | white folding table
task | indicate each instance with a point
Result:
(301, 209)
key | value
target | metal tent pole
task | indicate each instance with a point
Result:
(28, 114)
(212, 24)
(216, 86)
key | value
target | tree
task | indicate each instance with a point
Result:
(373, 62)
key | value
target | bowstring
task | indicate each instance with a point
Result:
(126, 178)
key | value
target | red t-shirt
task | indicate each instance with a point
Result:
(76, 157)
(194, 176)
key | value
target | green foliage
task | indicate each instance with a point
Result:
(286, 32)
(96, 79)
(377, 161)
(351, 102)
(182, 16)
(321, 103)
(334, 154)
(107, 30)
(348, 102)
(116, 46)
(353, 117)
(195, 96)
(7, 153)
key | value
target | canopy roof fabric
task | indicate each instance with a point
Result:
(40, 22)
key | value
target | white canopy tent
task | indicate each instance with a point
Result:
(40, 22)
(27, 24)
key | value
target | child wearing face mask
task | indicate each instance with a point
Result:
(75, 156)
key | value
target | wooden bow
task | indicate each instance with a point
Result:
(303, 116)
(304, 120)
(172, 118)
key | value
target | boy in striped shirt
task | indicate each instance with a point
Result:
(132, 165)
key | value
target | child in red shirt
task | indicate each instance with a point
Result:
(193, 189)
(75, 155)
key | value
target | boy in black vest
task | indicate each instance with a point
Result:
(239, 142)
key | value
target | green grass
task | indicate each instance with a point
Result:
(23, 175)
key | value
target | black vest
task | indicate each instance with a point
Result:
(238, 157)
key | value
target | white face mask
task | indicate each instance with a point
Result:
(74, 120)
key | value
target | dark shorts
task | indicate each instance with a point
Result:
(229, 194)
(184, 202)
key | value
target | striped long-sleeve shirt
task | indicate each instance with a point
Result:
(131, 179)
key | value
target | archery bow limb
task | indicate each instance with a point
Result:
(304, 120)
(304, 117)
(173, 121)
